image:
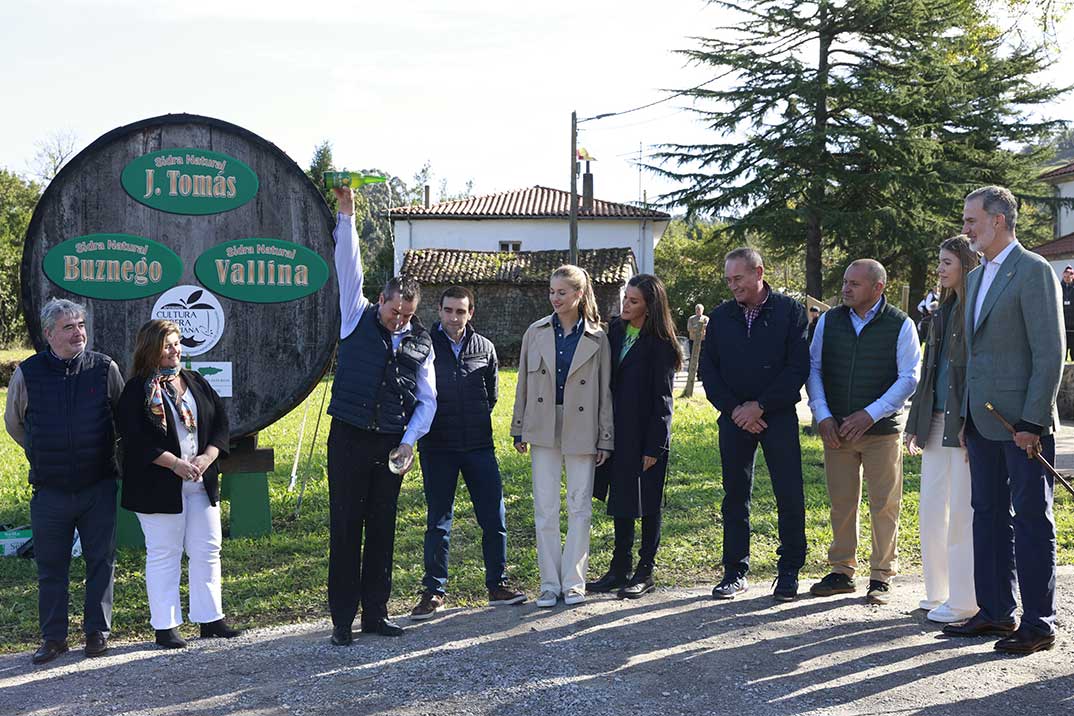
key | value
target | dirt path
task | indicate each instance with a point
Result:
(676, 652)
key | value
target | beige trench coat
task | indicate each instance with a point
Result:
(587, 394)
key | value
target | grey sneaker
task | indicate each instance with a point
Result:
(547, 599)
(730, 587)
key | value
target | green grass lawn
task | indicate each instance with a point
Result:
(282, 578)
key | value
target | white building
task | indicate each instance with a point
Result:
(533, 219)
(1060, 251)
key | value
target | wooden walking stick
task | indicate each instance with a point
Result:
(1040, 458)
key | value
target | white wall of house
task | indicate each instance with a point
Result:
(1065, 225)
(641, 236)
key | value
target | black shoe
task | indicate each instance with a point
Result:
(731, 586)
(834, 583)
(640, 584)
(610, 582)
(96, 644)
(170, 639)
(785, 587)
(384, 627)
(879, 592)
(1024, 641)
(342, 636)
(48, 651)
(978, 625)
(219, 628)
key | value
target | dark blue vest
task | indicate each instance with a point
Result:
(374, 388)
(465, 393)
(70, 439)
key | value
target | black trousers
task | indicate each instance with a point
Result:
(1070, 346)
(624, 543)
(54, 515)
(363, 495)
(782, 452)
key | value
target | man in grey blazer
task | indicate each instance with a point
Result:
(1015, 346)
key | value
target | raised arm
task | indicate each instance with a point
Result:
(348, 259)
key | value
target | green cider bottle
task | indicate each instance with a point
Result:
(340, 180)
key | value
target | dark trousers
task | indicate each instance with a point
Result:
(624, 543)
(54, 516)
(783, 454)
(440, 471)
(1070, 346)
(363, 495)
(1001, 478)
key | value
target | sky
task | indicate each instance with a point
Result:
(481, 89)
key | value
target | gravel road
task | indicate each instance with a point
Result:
(674, 652)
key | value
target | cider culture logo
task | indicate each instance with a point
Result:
(189, 181)
(112, 266)
(261, 270)
(199, 315)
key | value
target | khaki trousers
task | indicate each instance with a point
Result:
(879, 458)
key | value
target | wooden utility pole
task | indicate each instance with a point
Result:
(574, 189)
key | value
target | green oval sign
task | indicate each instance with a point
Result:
(189, 181)
(112, 266)
(261, 270)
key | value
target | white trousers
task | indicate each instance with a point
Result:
(562, 564)
(196, 530)
(945, 517)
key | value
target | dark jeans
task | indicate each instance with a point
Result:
(783, 454)
(1001, 478)
(624, 543)
(363, 495)
(440, 471)
(54, 515)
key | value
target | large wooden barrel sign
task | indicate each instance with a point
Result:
(204, 223)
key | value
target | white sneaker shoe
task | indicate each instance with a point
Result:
(928, 604)
(944, 614)
(547, 599)
(574, 596)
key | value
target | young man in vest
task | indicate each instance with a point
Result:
(753, 365)
(59, 409)
(1015, 345)
(383, 401)
(460, 440)
(863, 368)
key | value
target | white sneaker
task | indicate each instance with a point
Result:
(944, 614)
(547, 599)
(928, 604)
(574, 596)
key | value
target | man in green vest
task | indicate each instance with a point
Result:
(863, 368)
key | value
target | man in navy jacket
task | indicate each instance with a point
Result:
(754, 363)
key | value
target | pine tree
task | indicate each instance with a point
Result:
(858, 126)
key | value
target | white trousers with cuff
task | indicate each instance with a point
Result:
(196, 530)
(945, 517)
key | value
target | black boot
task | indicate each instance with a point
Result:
(170, 639)
(610, 582)
(640, 584)
(220, 629)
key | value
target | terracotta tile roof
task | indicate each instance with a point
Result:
(536, 202)
(1063, 246)
(440, 266)
(1064, 172)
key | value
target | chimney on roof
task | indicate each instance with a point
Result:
(587, 190)
(427, 201)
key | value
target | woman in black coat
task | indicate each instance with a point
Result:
(174, 428)
(645, 356)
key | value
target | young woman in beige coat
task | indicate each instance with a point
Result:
(563, 411)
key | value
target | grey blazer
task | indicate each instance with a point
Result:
(1015, 351)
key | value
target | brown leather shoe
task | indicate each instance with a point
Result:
(1025, 641)
(48, 651)
(504, 595)
(979, 626)
(96, 644)
(429, 604)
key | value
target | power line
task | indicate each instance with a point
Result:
(656, 102)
